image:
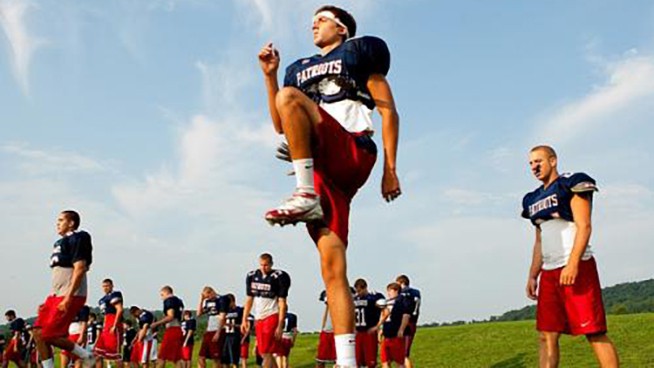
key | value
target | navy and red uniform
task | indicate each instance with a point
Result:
(574, 309)
(15, 349)
(110, 342)
(393, 348)
(171, 344)
(68, 250)
(266, 290)
(366, 315)
(245, 341)
(213, 307)
(290, 327)
(188, 340)
(75, 329)
(92, 332)
(231, 347)
(343, 150)
(142, 352)
(129, 335)
(326, 351)
(414, 298)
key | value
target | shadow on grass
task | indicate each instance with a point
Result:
(517, 361)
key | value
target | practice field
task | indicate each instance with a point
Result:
(506, 344)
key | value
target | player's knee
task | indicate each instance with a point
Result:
(287, 97)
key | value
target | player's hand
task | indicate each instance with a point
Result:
(279, 332)
(532, 288)
(215, 336)
(283, 152)
(65, 304)
(390, 185)
(400, 334)
(245, 327)
(269, 60)
(569, 274)
(372, 330)
(112, 329)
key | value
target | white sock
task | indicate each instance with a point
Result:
(80, 352)
(345, 353)
(48, 363)
(304, 174)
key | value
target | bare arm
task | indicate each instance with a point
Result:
(581, 208)
(405, 322)
(281, 303)
(381, 93)
(247, 308)
(534, 269)
(269, 63)
(200, 310)
(119, 316)
(170, 315)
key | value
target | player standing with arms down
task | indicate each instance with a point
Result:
(70, 261)
(230, 355)
(18, 342)
(266, 290)
(171, 344)
(395, 320)
(414, 298)
(189, 326)
(324, 110)
(569, 294)
(145, 346)
(110, 341)
(287, 341)
(367, 314)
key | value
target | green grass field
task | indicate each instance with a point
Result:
(507, 345)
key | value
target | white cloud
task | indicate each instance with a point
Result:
(628, 82)
(35, 161)
(22, 44)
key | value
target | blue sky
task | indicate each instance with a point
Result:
(149, 117)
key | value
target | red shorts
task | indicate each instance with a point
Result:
(341, 167)
(245, 350)
(577, 309)
(393, 350)
(54, 323)
(109, 344)
(266, 342)
(283, 348)
(142, 352)
(409, 335)
(171, 344)
(10, 355)
(366, 349)
(187, 352)
(210, 349)
(326, 348)
(70, 354)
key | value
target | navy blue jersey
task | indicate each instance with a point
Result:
(175, 304)
(343, 73)
(413, 297)
(366, 311)
(108, 302)
(189, 325)
(398, 307)
(83, 314)
(215, 306)
(128, 336)
(71, 249)
(554, 202)
(273, 285)
(290, 322)
(233, 320)
(92, 330)
(17, 325)
(145, 318)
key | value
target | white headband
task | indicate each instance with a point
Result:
(330, 15)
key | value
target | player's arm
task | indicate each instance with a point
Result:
(403, 325)
(170, 315)
(119, 315)
(189, 333)
(81, 340)
(581, 208)
(283, 307)
(200, 309)
(536, 264)
(269, 63)
(381, 93)
(143, 332)
(247, 308)
(79, 270)
(222, 316)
